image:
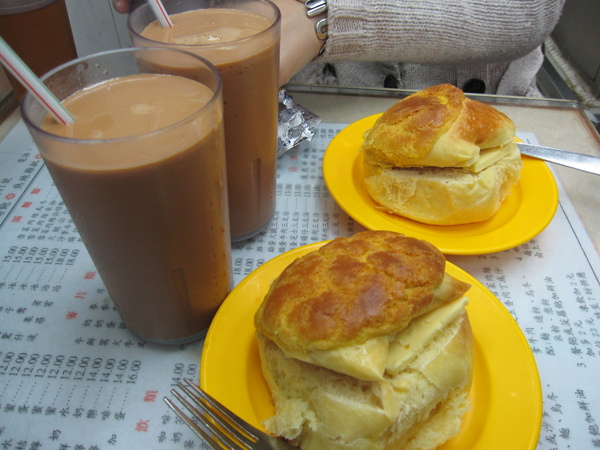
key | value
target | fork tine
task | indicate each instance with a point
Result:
(219, 427)
(216, 437)
(241, 425)
(195, 428)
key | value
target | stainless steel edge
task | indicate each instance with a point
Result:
(577, 161)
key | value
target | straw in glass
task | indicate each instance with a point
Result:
(32, 83)
(160, 13)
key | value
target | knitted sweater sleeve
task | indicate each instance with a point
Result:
(438, 31)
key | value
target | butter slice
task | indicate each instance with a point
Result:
(369, 361)
(489, 156)
(420, 332)
(365, 362)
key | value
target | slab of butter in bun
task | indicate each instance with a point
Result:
(441, 158)
(365, 343)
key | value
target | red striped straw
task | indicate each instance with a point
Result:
(27, 78)
(160, 13)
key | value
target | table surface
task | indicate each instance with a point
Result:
(73, 377)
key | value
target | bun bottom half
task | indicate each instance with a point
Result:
(420, 408)
(443, 196)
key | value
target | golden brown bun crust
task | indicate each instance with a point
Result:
(437, 126)
(353, 289)
(406, 132)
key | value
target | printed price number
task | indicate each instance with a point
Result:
(252, 264)
(14, 364)
(246, 265)
(181, 371)
(237, 266)
(69, 367)
(41, 255)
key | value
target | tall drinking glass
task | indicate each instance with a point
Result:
(142, 173)
(241, 38)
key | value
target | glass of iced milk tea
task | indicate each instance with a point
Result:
(241, 38)
(142, 173)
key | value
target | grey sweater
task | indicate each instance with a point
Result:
(477, 45)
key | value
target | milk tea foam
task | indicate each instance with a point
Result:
(247, 57)
(159, 200)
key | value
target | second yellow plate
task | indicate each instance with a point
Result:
(506, 394)
(525, 213)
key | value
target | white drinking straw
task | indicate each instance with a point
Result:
(160, 13)
(27, 78)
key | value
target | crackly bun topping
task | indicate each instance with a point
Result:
(355, 289)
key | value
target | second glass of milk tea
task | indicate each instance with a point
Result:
(241, 38)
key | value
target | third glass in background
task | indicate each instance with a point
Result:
(242, 40)
(39, 32)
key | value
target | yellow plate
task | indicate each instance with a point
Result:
(506, 393)
(525, 213)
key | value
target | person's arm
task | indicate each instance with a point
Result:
(423, 31)
(299, 41)
(438, 31)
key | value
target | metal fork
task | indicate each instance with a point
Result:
(218, 426)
